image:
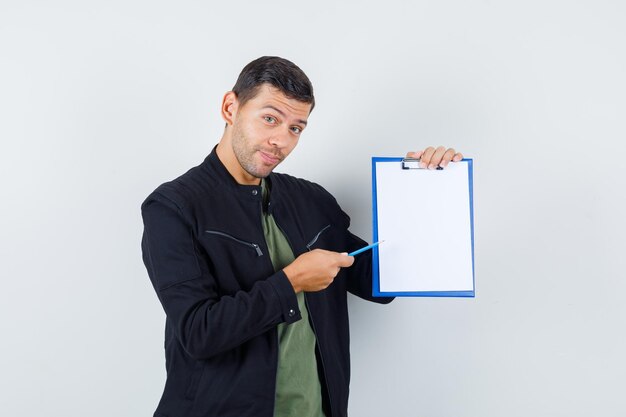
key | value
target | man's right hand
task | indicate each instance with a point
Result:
(316, 270)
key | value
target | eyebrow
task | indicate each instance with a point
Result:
(269, 106)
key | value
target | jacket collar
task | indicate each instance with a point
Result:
(213, 166)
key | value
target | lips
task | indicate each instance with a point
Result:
(269, 158)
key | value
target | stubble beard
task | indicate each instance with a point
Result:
(246, 155)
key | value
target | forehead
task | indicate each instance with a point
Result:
(268, 96)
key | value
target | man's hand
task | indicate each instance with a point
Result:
(432, 158)
(316, 270)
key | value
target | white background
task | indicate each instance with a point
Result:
(100, 102)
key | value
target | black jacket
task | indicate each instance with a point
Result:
(205, 252)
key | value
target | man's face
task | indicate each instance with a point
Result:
(266, 129)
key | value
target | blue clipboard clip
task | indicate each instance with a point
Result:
(413, 163)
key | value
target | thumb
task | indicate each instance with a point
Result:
(345, 260)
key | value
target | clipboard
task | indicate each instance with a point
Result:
(426, 218)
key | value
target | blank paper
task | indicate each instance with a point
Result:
(424, 217)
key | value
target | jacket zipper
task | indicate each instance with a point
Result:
(276, 328)
(330, 399)
(306, 303)
(317, 236)
(252, 245)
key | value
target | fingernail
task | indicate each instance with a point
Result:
(431, 166)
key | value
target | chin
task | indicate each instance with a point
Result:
(264, 171)
(265, 174)
(260, 173)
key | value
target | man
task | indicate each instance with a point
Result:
(251, 266)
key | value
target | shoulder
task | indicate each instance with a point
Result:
(308, 196)
(293, 185)
(181, 192)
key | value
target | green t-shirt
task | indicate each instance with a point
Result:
(298, 388)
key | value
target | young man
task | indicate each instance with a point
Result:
(251, 266)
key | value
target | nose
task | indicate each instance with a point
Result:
(280, 138)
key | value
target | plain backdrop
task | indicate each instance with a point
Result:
(100, 102)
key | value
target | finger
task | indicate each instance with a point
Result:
(333, 271)
(414, 155)
(321, 251)
(436, 158)
(426, 156)
(345, 261)
(447, 157)
(457, 157)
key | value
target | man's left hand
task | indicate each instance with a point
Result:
(432, 158)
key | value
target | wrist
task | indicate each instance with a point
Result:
(293, 277)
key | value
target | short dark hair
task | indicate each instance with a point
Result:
(278, 72)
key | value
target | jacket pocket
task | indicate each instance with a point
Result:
(254, 246)
(316, 237)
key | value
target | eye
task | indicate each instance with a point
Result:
(296, 129)
(269, 119)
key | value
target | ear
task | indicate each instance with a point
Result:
(230, 104)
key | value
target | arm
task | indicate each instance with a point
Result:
(206, 323)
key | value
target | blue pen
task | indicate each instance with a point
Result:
(368, 247)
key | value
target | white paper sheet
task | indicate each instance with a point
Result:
(424, 219)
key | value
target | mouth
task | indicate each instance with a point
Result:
(269, 158)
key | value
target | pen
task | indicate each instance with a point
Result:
(368, 247)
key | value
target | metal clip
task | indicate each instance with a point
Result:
(411, 163)
(414, 163)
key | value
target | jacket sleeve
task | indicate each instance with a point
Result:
(206, 323)
(360, 273)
